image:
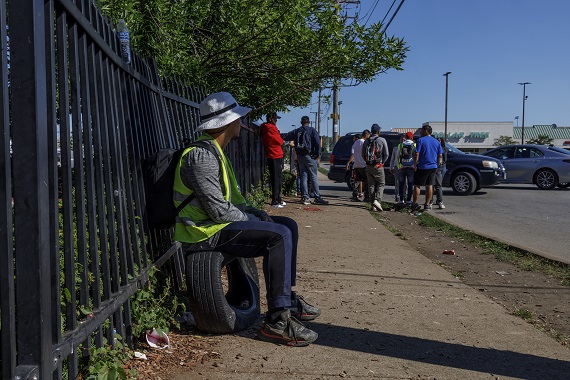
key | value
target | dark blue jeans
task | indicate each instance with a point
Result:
(406, 177)
(277, 243)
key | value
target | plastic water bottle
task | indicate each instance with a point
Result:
(125, 39)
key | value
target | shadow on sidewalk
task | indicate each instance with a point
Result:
(486, 360)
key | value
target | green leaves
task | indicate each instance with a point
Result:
(269, 54)
(504, 140)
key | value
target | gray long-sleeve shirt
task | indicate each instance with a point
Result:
(201, 172)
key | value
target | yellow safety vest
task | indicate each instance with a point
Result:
(400, 146)
(193, 224)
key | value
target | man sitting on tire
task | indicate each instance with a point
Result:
(219, 219)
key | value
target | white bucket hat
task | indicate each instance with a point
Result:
(218, 110)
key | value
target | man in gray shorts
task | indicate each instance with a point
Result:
(427, 157)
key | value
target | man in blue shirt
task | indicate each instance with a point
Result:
(427, 158)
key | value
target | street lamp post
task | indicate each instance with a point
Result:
(316, 113)
(339, 103)
(446, 75)
(524, 100)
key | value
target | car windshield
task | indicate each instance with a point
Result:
(451, 148)
(559, 150)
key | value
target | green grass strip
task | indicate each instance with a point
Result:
(502, 251)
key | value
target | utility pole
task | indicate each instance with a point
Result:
(335, 115)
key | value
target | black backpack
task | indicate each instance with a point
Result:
(406, 158)
(302, 141)
(370, 151)
(159, 171)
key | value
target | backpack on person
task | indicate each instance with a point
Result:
(303, 141)
(159, 172)
(370, 151)
(406, 154)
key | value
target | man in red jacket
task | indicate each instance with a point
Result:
(272, 144)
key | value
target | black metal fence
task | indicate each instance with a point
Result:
(76, 123)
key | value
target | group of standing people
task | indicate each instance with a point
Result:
(413, 164)
(429, 169)
(307, 147)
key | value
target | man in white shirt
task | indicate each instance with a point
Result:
(359, 165)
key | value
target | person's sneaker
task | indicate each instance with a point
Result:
(302, 310)
(283, 203)
(286, 330)
(408, 202)
(320, 201)
(377, 206)
(276, 205)
(397, 199)
(360, 197)
(427, 207)
(306, 201)
(440, 205)
(415, 208)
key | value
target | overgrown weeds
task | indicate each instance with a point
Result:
(503, 252)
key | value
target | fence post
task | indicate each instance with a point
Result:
(7, 291)
(30, 163)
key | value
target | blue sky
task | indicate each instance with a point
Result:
(488, 45)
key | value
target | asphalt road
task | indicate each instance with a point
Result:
(520, 215)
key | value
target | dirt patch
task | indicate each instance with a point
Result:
(539, 298)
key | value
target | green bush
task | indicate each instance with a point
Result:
(155, 305)
(289, 187)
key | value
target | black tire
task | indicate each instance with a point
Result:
(214, 311)
(546, 179)
(563, 185)
(349, 180)
(463, 183)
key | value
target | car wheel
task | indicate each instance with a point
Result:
(564, 185)
(349, 180)
(216, 310)
(546, 179)
(463, 183)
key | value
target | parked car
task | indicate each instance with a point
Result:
(466, 173)
(546, 166)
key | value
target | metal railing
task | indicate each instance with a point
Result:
(77, 122)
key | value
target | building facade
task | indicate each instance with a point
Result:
(479, 137)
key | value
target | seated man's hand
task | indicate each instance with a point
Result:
(265, 217)
(252, 217)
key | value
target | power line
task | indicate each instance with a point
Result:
(394, 15)
(387, 13)
(372, 11)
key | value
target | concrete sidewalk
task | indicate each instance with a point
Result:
(387, 313)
